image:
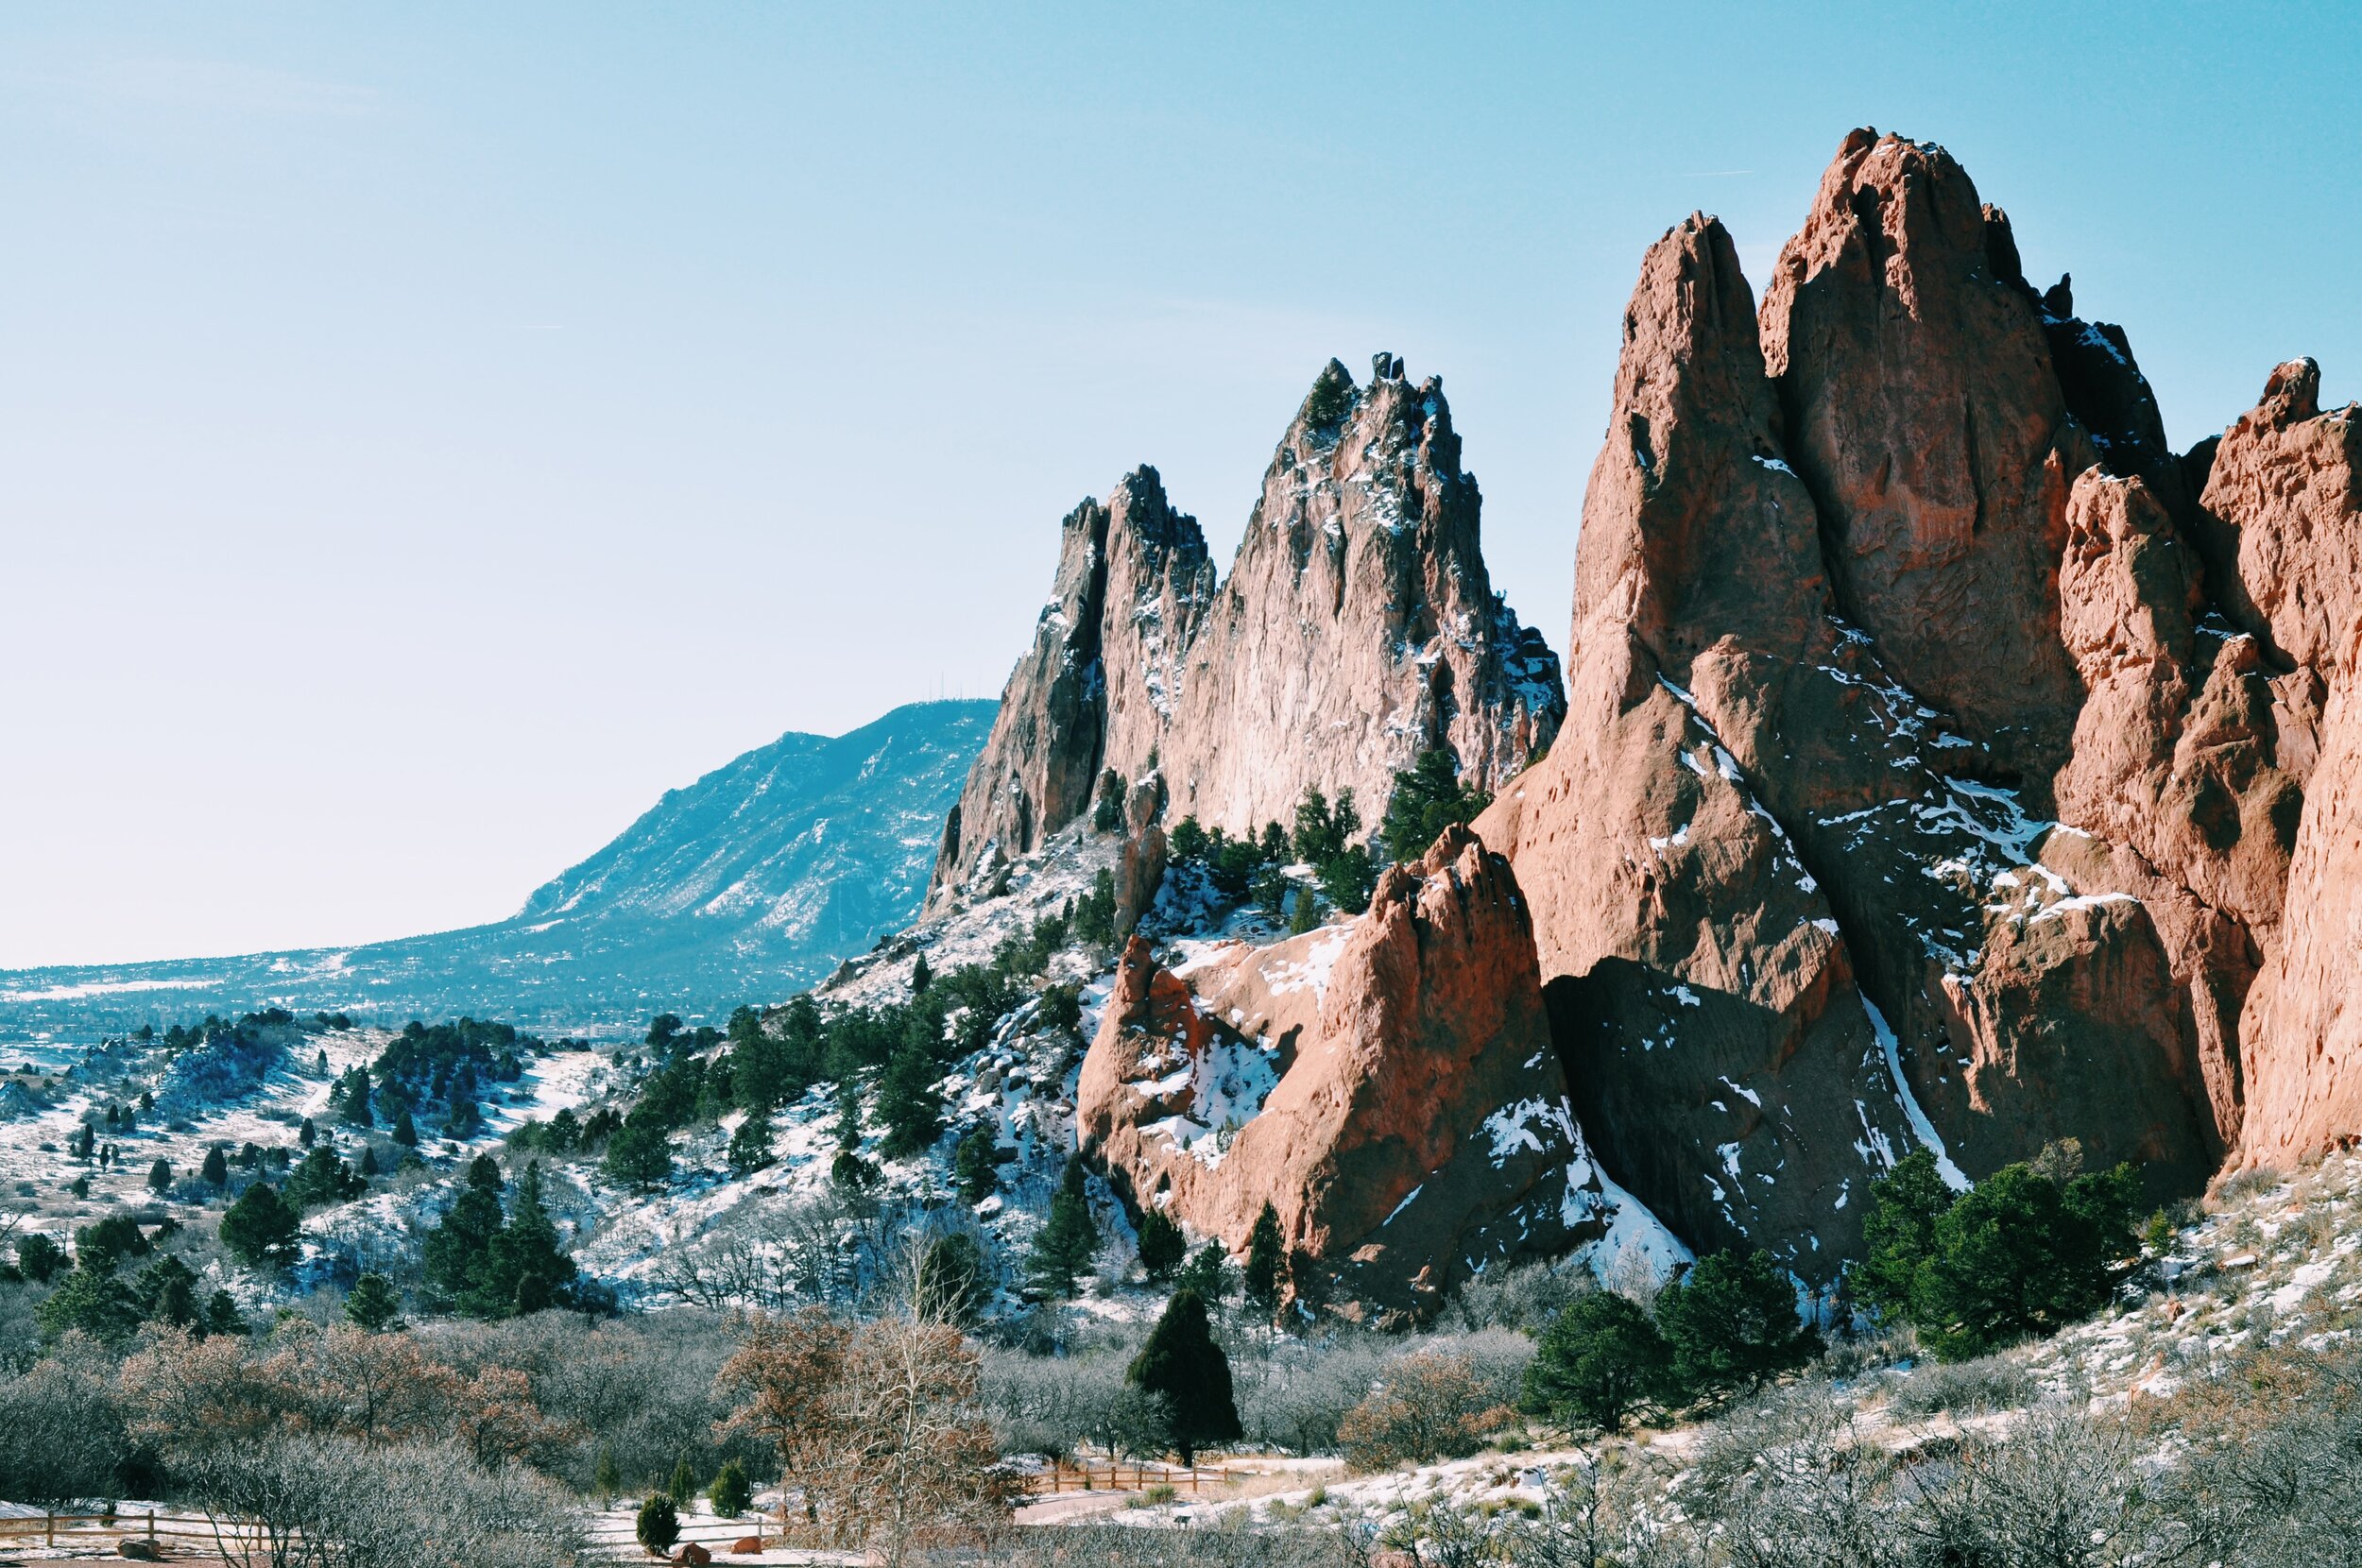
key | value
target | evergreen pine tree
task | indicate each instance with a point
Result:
(525, 1269)
(973, 1166)
(307, 1134)
(221, 1314)
(607, 1480)
(160, 1177)
(1162, 1246)
(1899, 1234)
(405, 1131)
(460, 1116)
(322, 1179)
(368, 1162)
(2019, 1254)
(638, 1156)
(217, 1168)
(167, 1291)
(750, 1145)
(353, 1107)
(658, 1524)
(260, 1230)
(372, 1304)
(684, 1483)
(952, 1284)
(40, 1257)
(1207, 1272)
(921, 977)
(1732, 1323)
(731, 1492)
(1183, 1366)
(1599, 1361)
(849, 1170)
(1108, 815)
(1064, 1250)
(94, 1301)
(909, 1103)
(454, 1256)
(1428, 798)
(1265, 1258)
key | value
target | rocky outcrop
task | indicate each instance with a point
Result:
(1096, 687)
(1715, 1039)
(1357, 628)
(2283, 492)
(1923, 411)
(1387, 1086)
(1800, 892)
(1946, 762)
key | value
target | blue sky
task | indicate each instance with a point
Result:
(428, 433)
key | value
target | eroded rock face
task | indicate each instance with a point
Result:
(1409, 1124)
(1799, 898)
(2283, 489)
(1715, 1041)
(1923, 409)
(1094, 689)
(1357, 628)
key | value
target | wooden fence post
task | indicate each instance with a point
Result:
(49, 1528)
(152, 1524)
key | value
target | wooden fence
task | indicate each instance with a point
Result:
(237, 1541)
(1116, 1476)
(614, 1530)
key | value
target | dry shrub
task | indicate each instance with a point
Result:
(1121, 1546)
(1987, 1382)
(1431, 1406)
(192, 1394)
(877, 1425)
(323, 1499)
(61, 1427)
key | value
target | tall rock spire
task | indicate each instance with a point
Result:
(1358, 626)
(1356, 629)
(1922, 411)
(1097, 685)
(1797, 897)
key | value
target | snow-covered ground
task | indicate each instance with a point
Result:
(37, 1171)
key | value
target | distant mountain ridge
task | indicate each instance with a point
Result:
(752, 882)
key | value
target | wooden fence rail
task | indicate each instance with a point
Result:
(232, 1540)
(1115, 1477)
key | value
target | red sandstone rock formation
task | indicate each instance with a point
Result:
(2284, 489)
(1945, 760)
(1791, 839)
(1923, 409)
(1409, 1124)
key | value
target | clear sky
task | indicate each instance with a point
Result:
(429, 432)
